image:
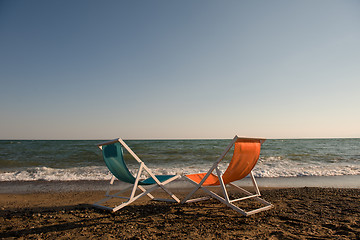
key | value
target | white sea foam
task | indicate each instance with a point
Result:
(53, 174)
(275, 168)
(265, 168)
(83, 173)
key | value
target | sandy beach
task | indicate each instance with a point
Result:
(298, 213)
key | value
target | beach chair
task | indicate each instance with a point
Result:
(114, 158)
(245, 156)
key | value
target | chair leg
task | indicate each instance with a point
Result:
(187, 198)
(167, 190)
(134, 197)
(226, 199)
(255, 196)
(144, 190)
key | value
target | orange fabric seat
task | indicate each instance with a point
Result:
(245, 156)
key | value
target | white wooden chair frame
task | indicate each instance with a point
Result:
(225, 198)
(135, 186)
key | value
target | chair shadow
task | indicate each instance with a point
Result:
(89, 217)
(43, 220)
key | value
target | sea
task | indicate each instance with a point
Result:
(282, 163)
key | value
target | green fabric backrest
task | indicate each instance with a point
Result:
(114, 158)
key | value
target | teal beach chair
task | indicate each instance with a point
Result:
(114, 158)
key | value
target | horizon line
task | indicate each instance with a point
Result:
(166, 139)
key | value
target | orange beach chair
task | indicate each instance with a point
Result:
(245, 156)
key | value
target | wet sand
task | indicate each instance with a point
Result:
(298, 213)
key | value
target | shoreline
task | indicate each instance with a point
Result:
(43, 186)
(298, 213)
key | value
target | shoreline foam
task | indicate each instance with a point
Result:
(41, 186)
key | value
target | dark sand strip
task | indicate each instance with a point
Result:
(299, 213)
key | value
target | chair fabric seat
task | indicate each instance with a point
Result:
(113, 156)
(212, 180)
(161, 178)
(245, 156)
(114, 159)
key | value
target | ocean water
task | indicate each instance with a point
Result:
(67, 160)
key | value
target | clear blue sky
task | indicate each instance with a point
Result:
(179, 69)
